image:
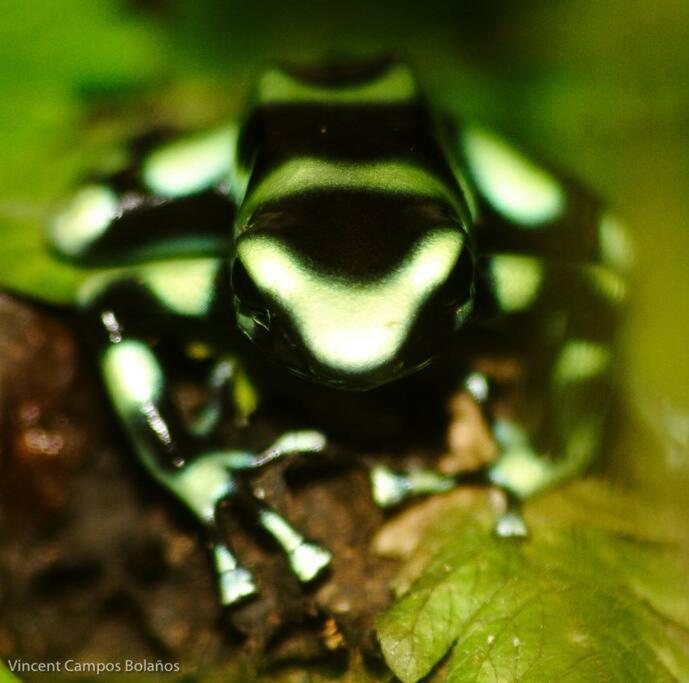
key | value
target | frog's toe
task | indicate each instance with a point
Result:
(292, 443)
(308, 560)
(511, 525)
(391, 488)
(387, 487)
(235, 583)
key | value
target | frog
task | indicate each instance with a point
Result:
(346, 234)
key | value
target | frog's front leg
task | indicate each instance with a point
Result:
(128, 308)
(562, 319)
(390, 487)
(550, 281)
(148, 206)
(212, 477)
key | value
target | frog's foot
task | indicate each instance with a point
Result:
(211, 478)
(511, 524)
(390, 488)
(307, 560)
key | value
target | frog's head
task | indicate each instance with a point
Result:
(371, 294)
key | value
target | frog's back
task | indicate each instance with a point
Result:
(370, 119)
(352, 151)
(358, 113)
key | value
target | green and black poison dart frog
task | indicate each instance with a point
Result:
(354, 236)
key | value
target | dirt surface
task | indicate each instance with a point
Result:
(98, 563)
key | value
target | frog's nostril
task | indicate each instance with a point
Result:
(287, 349)
(253, 323)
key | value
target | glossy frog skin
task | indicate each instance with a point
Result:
(353, 236)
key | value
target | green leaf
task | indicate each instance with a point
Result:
(56, 59)
(600, 591)
(6, 676)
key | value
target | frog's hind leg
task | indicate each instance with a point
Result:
(173, 199)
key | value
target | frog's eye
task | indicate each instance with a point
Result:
(253, 312)
(458, 289)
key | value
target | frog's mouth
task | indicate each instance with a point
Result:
(355, 360)
(355, 382)
(368, 382)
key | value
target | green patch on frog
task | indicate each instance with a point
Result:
(598, 592)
